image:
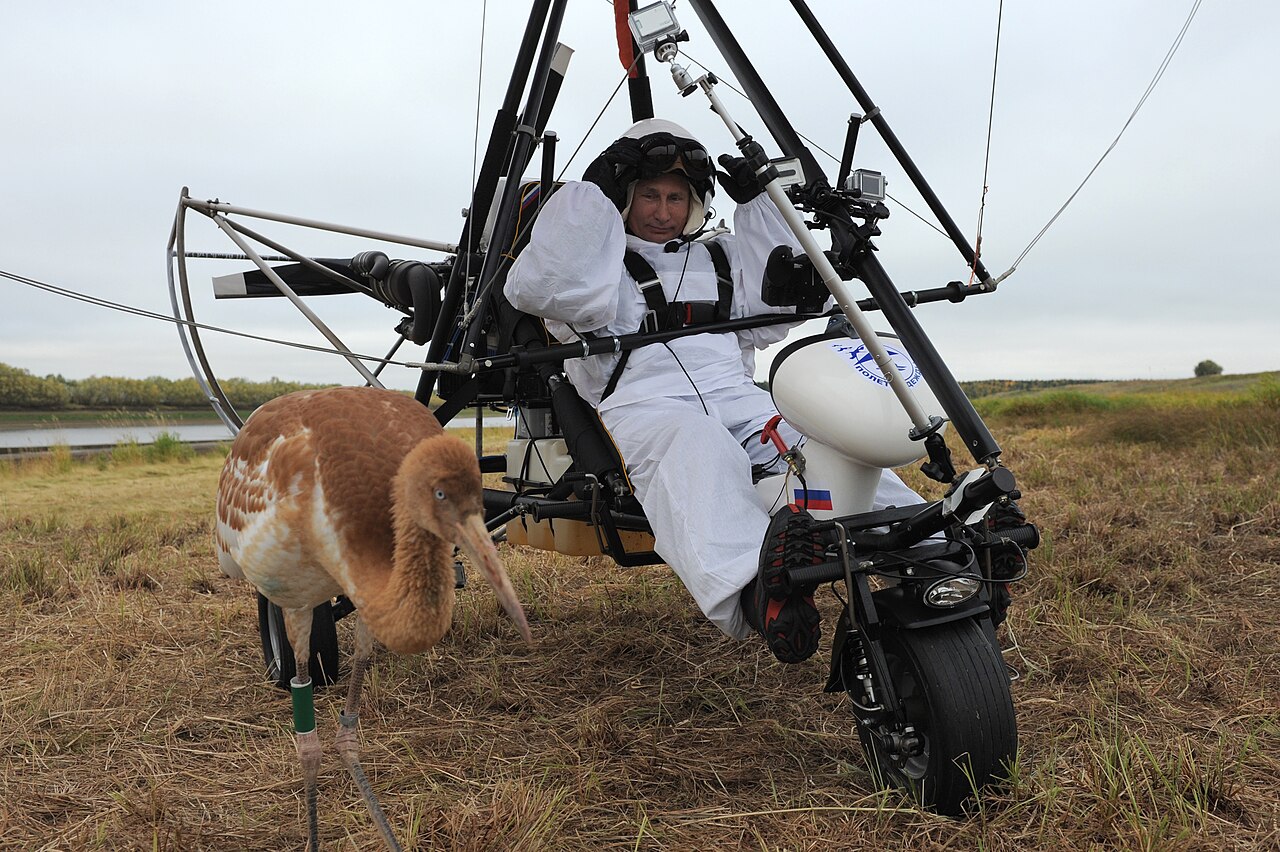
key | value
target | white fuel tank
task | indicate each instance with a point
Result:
(830, 389)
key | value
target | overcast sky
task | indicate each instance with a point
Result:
(367, 113)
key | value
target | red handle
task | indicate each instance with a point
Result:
(770, 433)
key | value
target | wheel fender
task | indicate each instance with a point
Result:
(897, 607)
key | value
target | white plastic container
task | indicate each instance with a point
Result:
(538, 461)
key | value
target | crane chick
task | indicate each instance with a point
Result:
(356, 492)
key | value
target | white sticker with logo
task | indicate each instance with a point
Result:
(856, 354)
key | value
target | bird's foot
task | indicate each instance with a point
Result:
(309, 753)
(348, 745)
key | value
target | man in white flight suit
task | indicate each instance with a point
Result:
(685, 415)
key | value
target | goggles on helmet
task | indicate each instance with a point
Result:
(662, 152)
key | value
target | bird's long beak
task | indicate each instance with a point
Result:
(479, 548)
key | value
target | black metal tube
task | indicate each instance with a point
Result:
(761, 98)
(548, 177)
(522, 151)
(569, 509)
(622, 342)
(890, 139)
(953, 292)
(495, 157)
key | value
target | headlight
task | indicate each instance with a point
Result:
(950, 591)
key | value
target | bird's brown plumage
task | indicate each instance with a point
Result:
(360, 492)
(334, 491)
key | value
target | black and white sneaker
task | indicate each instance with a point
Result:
(785, 616)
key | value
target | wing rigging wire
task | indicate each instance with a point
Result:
(726, 82)
(986, 157)
(599, 116)
(441, 367)
(475, 137)
(142, 312)
(1164, 65)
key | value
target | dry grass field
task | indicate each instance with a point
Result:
(134, 713)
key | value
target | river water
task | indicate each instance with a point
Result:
(87, 437)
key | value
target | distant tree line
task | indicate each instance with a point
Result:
(987, 387)
(20, 389)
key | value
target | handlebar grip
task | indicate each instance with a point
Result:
(1026, 536)
(815, 575)
(573, 509)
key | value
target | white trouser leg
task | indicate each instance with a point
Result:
(694, 481)
(691, 470)
(892, 491)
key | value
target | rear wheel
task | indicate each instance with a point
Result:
(277, 652)
(960, 733)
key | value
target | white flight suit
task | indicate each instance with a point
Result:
(685, 415)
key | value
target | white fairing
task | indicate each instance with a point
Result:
(831, 390)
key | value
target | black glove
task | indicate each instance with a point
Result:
(738, 179)
(615, 170)
(790, 279)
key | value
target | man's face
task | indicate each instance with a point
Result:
(659, 208)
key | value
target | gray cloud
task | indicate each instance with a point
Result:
(367, 115)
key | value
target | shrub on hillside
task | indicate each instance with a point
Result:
(1208, 368)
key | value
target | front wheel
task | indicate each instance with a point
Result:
(959, 733)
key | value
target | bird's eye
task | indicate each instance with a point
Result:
(439, 493)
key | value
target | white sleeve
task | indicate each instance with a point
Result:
(760, 228)
(571, 268)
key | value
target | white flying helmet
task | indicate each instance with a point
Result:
(668, 147)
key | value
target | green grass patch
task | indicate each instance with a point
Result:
(167, 447)
(1145, 404)
(1044, 404)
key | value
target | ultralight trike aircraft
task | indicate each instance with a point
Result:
(923, 588)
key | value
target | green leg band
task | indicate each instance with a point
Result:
(304, 708)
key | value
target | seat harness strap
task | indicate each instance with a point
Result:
(663, 315)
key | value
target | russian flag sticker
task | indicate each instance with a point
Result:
(813, 498)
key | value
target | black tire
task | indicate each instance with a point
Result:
(955, 690)
(277, 652)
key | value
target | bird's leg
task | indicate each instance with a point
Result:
(297, 623)
(348, 740)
